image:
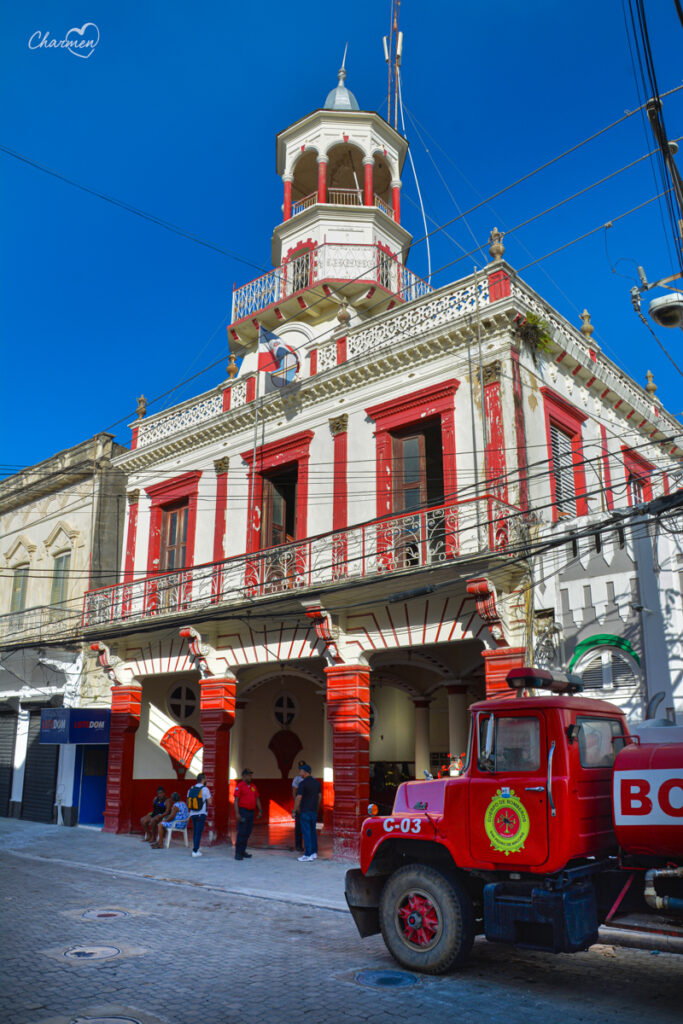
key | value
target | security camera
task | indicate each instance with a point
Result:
(667, 310)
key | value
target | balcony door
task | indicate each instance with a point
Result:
(278, 525)
(417, 479)
(172, 556)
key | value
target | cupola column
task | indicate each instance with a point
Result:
(287, 208)
(369, 167)
(396, 200)
(322, 179)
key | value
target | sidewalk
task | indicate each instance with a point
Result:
(270, 874)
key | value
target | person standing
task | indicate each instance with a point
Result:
(298, 839)
(247, 803)
(198, 800)
(308, 797)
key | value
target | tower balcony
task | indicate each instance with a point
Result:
(363, 274)
(341, 197)
(390, 548)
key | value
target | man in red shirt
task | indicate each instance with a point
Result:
(247, 802)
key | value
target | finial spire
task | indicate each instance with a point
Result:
(142, 407)
(586, 326)
(496, 247)
(650, 387)
(343, 67)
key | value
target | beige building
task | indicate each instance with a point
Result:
(60, 534)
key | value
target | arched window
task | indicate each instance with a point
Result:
(608, 668)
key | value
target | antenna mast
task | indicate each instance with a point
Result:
(393, 45)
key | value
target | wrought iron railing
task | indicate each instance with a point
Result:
(330, 260)
(426, 537)
(44, 622)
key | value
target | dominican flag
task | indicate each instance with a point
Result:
(277, 358)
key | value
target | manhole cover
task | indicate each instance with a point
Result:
(105, 912)
(91, 952)
(385, 979)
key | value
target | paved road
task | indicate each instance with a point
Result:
(192, 952)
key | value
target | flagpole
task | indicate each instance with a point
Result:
(253, 461)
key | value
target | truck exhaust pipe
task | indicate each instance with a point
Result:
(640, 940)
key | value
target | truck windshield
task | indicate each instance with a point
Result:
(516, 747)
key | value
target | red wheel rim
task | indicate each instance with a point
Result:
(418, 920)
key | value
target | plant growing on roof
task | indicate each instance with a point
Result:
(533, 331)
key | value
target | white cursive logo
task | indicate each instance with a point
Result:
(80, 42)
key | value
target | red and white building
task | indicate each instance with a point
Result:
(336, 568)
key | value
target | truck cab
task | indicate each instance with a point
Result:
(506, 848)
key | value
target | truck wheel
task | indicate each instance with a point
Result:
(426, 919)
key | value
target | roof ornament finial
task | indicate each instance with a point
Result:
(340, 98)
(496, 247)
(587, 327)
(650, 387)
(346, 49)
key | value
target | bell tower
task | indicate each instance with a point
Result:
(341, 236)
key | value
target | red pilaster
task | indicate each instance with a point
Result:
(131, 537)
(607, 475)
(322, 181)
(287, 213)
(520, 433)
(216, 716)
(125, 719)
(348, 711)
(340, 489)
(133, 438)
(341, 350)
(499, 285)
(498, 663)
(396, 202)
(496, 469)
(368, 169)
(221, 504)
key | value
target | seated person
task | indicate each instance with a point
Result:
(177, 818)
(160, 807)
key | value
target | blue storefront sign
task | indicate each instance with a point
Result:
(74, 725)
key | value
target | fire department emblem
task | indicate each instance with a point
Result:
(506, 822)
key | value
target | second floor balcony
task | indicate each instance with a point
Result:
(39, 624)
(352, 265)
(430, 537)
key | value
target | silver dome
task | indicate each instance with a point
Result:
(341, 98)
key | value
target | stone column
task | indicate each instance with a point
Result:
(236, 740)
(348, 709)
(322, 179)
(328, 769)
(396, 200)
(287, 209)
(126, 701)
(497, 664)
(19, 766)
(216, 716)
(422, 747)
(457, 718)
(368, 168)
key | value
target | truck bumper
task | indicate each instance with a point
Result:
(363, 896)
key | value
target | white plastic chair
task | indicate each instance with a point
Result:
(176, 831)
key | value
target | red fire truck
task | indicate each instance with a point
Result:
(564, 829)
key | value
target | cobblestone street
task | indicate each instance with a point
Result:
(196, 949)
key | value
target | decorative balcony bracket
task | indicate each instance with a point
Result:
(199, 651)
(112, 666)
(485, 596)
(321, 624)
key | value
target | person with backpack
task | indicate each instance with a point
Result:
(198, 800)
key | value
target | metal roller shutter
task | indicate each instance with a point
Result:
(8, 732)
(40, 778)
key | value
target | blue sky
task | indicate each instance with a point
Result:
(176, 113)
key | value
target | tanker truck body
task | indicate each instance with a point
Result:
(563, 830)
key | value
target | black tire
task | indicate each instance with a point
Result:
(427, 919)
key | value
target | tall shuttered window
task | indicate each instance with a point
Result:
(19, 584)
(60, 578)
(563, 471)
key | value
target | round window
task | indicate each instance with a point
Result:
(182, 702)
(285, 709)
